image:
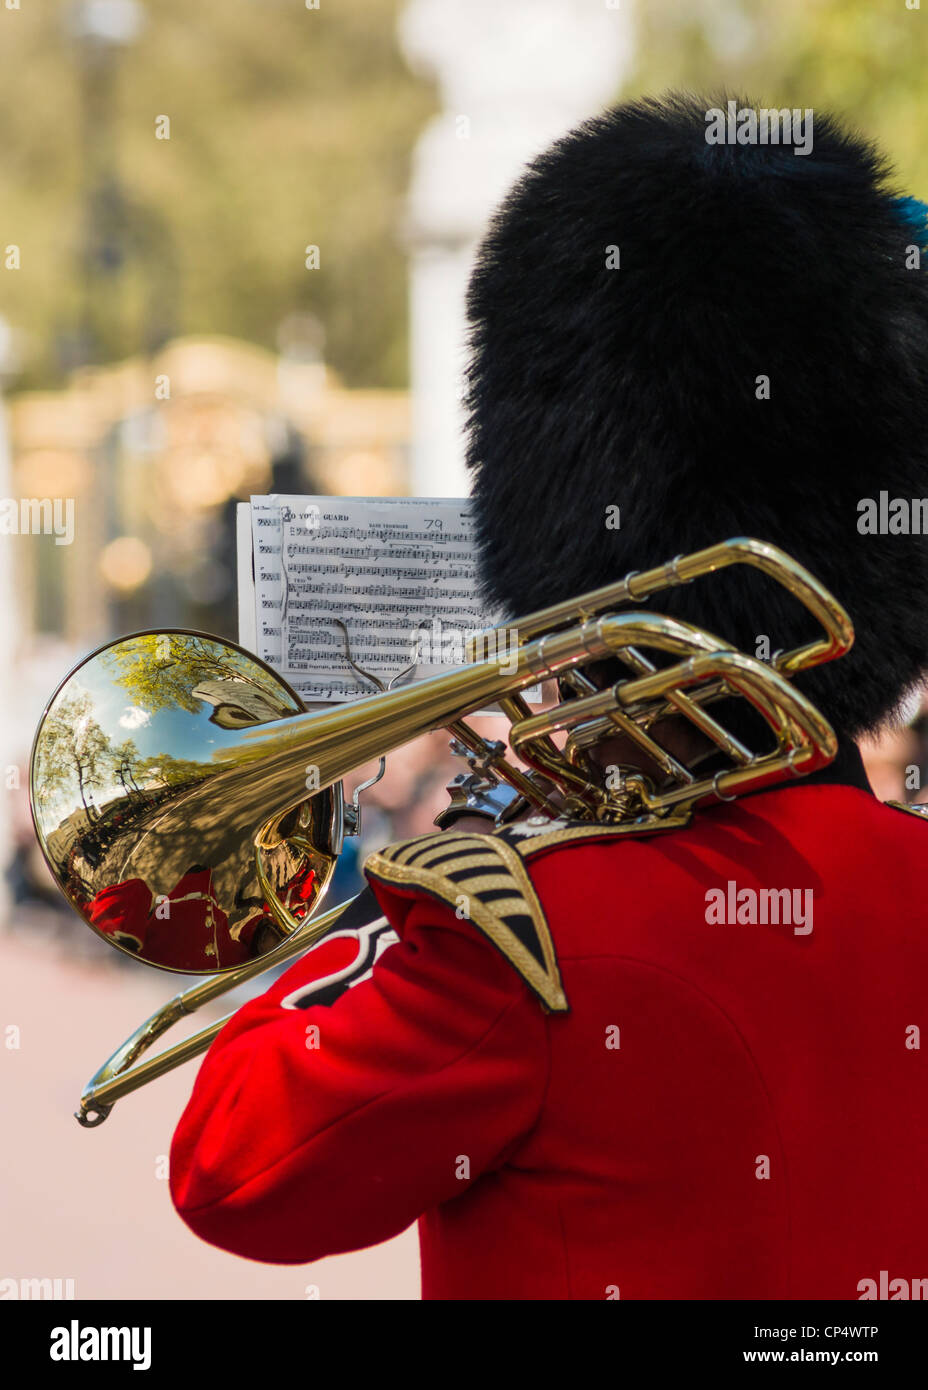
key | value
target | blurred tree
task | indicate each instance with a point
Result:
(292, 127)
(289, 127)
(862, 59)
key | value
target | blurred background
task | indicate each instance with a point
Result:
(234, 241)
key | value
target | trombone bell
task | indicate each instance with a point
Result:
(148, 817)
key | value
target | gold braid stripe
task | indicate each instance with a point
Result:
(530, 845)
(429, 862)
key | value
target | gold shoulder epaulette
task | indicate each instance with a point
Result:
(484, 880)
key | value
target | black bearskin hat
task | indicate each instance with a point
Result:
(634, 290)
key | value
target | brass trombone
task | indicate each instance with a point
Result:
(191, 809)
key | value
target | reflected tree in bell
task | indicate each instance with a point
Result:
(162, 670)
(74, 749)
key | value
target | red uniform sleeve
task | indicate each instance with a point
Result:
(315, 1131)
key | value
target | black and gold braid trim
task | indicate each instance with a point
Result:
(534, 836)
(484, 880)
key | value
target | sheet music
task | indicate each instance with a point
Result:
(268, 578)
(398, 573)
(247, 616)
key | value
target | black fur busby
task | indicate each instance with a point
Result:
(717, 339)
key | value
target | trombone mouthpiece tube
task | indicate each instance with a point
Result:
(550, 655)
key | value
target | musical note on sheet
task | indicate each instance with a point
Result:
(390, 581)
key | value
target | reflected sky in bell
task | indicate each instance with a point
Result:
(168, 730)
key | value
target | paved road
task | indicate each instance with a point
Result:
(90, 1205)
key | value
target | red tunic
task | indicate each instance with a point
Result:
(185, 929)
(728, 1110)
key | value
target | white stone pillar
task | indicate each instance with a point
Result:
(513, 76)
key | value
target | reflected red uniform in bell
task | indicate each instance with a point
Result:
(727, 1111)
(184, 930)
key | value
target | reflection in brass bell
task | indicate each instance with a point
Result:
(149, 819)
